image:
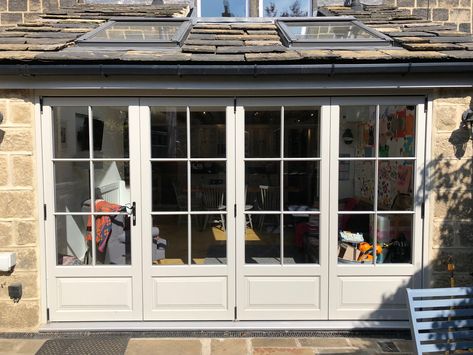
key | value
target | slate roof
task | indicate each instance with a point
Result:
(52, 39)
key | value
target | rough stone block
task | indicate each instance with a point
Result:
(447, 117)
(453, 145)
(29, 281)
(35, 6)
(460, 15)
(465, 3)
(448, 174)
(464, 236)
(17, 5)
(6, 233)
(423, 3)
(26, 259)
(423, 13)
(21, 112)
(17, 204)
(3, 5)
(4, 171)
(443, 234)
(448, 4)
(453, 97)
(453, 204)
(50, 5)
(26, 233)
(19, 316)
(464, 27)
(406, 3)
(11, 18)
(440, 14)
(17, 140)
(23, 172)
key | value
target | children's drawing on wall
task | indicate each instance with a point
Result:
(396, 131)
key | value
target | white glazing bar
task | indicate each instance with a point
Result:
(281, 190)
(92, 188)
(302, 159)
(265, 159)
(376, 177)
(189, 219)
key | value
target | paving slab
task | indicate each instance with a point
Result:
(164, 346)
(20, 346)
(229, 346)
(283, 351)
(274, 342)
(324, 342)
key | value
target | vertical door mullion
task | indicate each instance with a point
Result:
(92, 187)
(281, 190)
(189, 186)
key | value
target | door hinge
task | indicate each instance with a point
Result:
(235, 315)
(234, 105)
(426, 103)
(47, 314)
(41, 105)
(422, 210)
(45, 210)
(234, 210)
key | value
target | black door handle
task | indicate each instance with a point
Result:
(133, 213)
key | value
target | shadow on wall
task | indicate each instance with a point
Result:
(448, 181)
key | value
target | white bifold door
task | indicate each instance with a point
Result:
(232, 209)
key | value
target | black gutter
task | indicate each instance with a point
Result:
(232, 69)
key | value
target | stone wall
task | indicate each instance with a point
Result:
(18, 212)
(449, 12)
(19, 11)
(450, 189)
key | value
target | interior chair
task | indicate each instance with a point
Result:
(269, 201)
(213, 199)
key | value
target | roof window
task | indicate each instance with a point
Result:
(330, 32)
(139, 32)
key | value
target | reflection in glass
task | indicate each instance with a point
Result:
(223, 8)
(71, 132)
(301, 185)
(262, 245)
(112, 238)
(355, 239)
(317, 31)
(301, 132)
(72, 186)
(138, 31)
(168, 132)
(357, 131)
(396, 178)
(301, 239)
(263, 133)
(208, 186)
(110, 132)
(169, 186)
(112, 181)
(71, 246)
(262, 179)
(397, 131)
(169, 236)
(208, 137)
(209, 240)
(395, 236)
(356, 185)
(284, 8)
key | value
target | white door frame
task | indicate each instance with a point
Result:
(359, 303)
(80, 292)
(188, 292)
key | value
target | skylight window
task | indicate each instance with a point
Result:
(139, 32)
(330, 32)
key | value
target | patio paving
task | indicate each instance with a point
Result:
(206, 346)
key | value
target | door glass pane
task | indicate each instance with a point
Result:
(301, 186)
(263, 133)
(209, 239)
(169, 186)
(262, 244)
(110, 132)
(301, 132)
(356, 185)
(262, 179)
(301, 239)
(169, 240)
(168, 132)
(395, 234)
(355, 239)
(112, 182)
(208, 186)
(72, 186)
(395, 185)
(71, 246)
(71, 132)
(285, 8)
(223, 8)
(112, 236)
(397, 126)
(208, 137)
(357, 131)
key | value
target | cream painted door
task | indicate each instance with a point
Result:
(188, 184)
(282, 199)
(377, 173)
(92, 183)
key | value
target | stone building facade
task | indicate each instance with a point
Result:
(448, 12)
(19, 11)
(19, 217)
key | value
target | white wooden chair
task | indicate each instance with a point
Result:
(441, 319)
(213, 199)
